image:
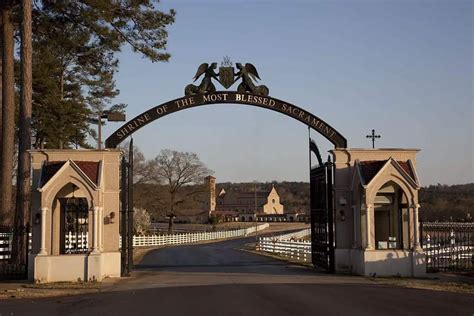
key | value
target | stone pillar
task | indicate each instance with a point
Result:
(95, 234)
(43, 251)
(370, 226)
(416, 228)
(101, 224)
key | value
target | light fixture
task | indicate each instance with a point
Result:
(112, 217)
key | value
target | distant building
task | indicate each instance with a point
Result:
(230, 206)
(260, 202)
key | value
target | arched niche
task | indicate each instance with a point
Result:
(59, 201)
(391, 219)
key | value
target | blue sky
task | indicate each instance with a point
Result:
(404, 68)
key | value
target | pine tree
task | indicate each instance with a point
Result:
(101, 93)
(74, 51)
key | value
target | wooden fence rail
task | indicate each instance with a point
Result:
(189, 238)
(288, 245)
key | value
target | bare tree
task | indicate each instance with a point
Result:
(8, 111)
(142, 168)
(175, 170)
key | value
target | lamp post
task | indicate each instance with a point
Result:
(107, 116)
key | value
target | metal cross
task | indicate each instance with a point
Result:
(373, 136)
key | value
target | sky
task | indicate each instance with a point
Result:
(404, 68)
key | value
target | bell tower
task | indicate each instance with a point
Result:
(210, 183)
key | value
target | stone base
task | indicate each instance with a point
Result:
(73, 268)
(406, 263)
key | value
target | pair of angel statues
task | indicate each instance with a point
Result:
(226, 77)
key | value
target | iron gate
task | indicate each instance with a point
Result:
(14, 267)
(448, 246)
(126, 212)
(322, 220)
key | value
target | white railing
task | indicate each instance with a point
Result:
(288, 245)
(189, 238)
(292, 236)
(296, 250)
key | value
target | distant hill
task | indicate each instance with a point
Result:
(438, 202)
(447, 202)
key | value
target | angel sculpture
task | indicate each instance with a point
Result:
(206, 85)
(249, 73)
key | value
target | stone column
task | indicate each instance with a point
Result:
(95, 234)
(101, 225)
(43, 251)
(416, 228)
(370, 226)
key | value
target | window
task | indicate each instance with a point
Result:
(273, 201)
(74, 225)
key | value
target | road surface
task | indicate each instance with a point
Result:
(218, 279)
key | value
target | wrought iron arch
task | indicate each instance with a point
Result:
(190, 101)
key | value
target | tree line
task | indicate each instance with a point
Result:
(438, 202)
(447, 203)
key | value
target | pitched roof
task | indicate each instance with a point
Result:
(89, 168)
(370, 168)
(243, 194)
(407, 168)
(49, 170)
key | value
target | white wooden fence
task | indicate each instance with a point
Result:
(188, 238)
(287, 245)
(292, 236)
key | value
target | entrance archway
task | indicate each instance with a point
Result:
(187, 102)
(320, 186)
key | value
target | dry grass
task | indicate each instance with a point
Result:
(427, 284)
(50, 290)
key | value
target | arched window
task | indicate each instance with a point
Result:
(391, 217)
(74, 225)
